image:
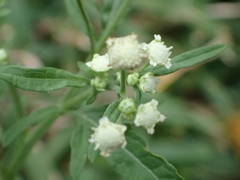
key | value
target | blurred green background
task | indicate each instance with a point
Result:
(201, 136)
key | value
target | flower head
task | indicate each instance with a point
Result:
(108, 136)
(125, 52)
(158, 52)
(148, 83)
(99, 63)
(148, 116)
(127, 106)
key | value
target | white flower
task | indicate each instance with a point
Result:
(108, 136)
(3, 54)
(99, 63)
(148, 116)
(132, 79)
(127, 106)
(125, 52)
(148, 83)
(158, 52)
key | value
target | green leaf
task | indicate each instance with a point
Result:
(85, 70)
(136, 163)
(111, 108)
(22, 124)
(92, 153)
(43, 79)
(115, 5)
(75, 14)
(79, 149)
(188, 59)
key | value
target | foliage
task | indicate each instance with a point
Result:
(52, 139)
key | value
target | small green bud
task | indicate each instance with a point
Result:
(127, 106)
(99, 83)
(132, 79)
(148, 83)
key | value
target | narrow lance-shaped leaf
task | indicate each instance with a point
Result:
(187, 59)
(42, 114)
(88, 124)
(43, 79)
(79, 148)
(136, 163)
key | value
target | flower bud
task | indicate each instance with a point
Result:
(148, 83)
(125, 52)
(108, 136)
(99, 63)
(148, 116)
(99, 83)
(132, 79)
(158, 52)
(127, 106)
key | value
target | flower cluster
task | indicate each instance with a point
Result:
(148, 116)
(108, 136)
(126, 53)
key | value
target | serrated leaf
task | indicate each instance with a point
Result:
(43, 79)
(79, 149)
(187, 59)
(22, 124)
(136, 163)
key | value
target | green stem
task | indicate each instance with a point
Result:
(16, 100)
(88, 25)
(112, 25)
(123, 83)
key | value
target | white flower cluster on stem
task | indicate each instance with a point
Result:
(148, 116)
(127, 53)
(108, 136)
(148, 83)
(158, 52)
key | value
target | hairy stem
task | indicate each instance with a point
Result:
(123, 83)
